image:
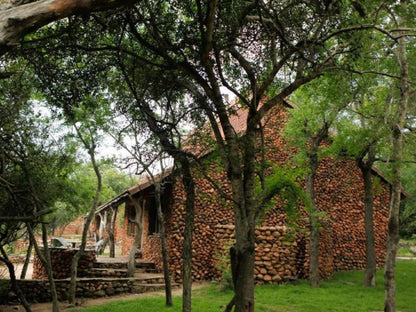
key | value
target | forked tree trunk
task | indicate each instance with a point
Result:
(393, 234)
(49, 271)
(131, 264)
(166, 273)
(15, 287)
(45, 259)
(27, 260)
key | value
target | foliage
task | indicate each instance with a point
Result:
(408, 212)
(33, 165)
(79, 189)
(282, 185)
(224, 266)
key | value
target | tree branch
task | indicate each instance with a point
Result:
(21, 20)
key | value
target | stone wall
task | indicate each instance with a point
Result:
(276, 252)
(39, 290)
(61, 259)
(339, 199)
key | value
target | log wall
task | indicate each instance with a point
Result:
(61, 259)
(339, 198)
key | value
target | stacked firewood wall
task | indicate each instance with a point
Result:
(339, 199)
(61, 259)
(275, 258)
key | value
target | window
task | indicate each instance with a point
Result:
(131, 217)
(154, 225)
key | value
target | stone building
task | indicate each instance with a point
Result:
(281, 250)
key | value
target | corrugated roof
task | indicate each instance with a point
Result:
(123, 197)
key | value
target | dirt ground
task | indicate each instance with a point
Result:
(85, 302)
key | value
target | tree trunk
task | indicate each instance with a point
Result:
(5, 259)
(109, 229)
(312, 154)
(111, 233)
(89, 218)
(314, 228)
(244, 283)
(393, 228)
(370, 251)
(27, 260)
(166, 273)
(131, 265)
(49, 271)
(103, 222)
(45, 258)
(189, 185)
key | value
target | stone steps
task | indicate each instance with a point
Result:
(106, 272)
(117, 268)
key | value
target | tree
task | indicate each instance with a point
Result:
(32, 165)
(146, 155)
(83, 106)
(318, 105)
(362, 136)
(147, 100)
(252, 49)
(397, 156)
(261, 52)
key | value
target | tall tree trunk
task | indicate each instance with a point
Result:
(109, 229)
(5, 259)
(189, 185)
(27, 260)
(244, 279)
(166, 273)
(242, 182)
(45, 259)
(89, 218)
(111, 233)
(312, 154)
(393, 234)
(49, 271)
(314, 223)
(370, 250)
(131, 264)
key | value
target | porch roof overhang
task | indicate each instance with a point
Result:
(133, 191)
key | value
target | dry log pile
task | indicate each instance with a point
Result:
(61, 259)
(152, 251)
(339, 199)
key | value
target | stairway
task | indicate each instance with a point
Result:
(105, 267)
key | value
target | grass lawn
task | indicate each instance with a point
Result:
(343, 292)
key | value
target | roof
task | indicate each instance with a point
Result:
(134, 190)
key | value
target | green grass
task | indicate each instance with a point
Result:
(404, 248)
(344, 292)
